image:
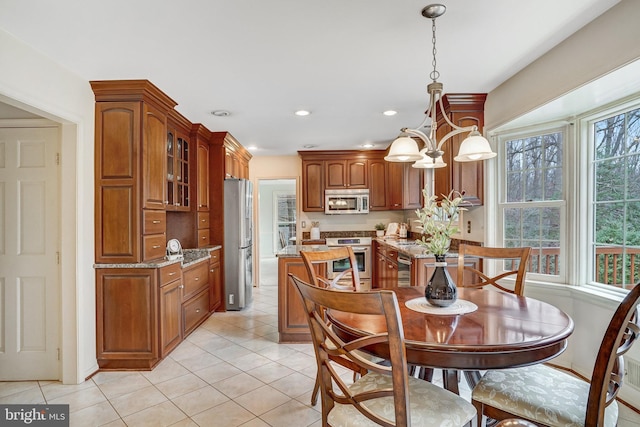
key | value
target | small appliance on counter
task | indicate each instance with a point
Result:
(392, 230)
(174, 250)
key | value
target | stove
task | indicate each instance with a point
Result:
(361, 247)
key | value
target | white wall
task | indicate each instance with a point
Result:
(604, 45)
(33, 82)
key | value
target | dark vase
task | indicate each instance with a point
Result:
(441, 291)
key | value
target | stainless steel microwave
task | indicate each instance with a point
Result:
(342, 202)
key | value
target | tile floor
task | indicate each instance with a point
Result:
(230, 372)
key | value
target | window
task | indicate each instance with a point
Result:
(284, 218)
(532, 205)
(615, 205)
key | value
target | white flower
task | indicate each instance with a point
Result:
(438, 221)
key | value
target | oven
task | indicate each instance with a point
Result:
(361, 247)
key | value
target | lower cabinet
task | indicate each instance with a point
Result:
(292, 320)
(142, 314)
(215, 281)
(386, 267)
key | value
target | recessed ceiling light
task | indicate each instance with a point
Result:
(368, 145)
(302, 113)
(390, 113)
(252, 148)
(309, 146)
(220, 113)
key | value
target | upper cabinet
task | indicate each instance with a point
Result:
(130, 170)
(391, 186)
(178, 163)
(342, 174)
(465, 177)
(236, 157)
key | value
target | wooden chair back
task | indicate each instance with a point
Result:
(329, 346)
(316, 262)
(608, 371)
(515, 263)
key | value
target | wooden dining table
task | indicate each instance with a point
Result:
(505, 331)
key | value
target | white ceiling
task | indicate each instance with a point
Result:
(344, 60)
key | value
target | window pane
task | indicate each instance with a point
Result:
(552, 150)
(533, 186)
(514, 155)
(609, 137)
(553, 184)
(610, 179)
(633, 175)
(514, 187)
(533, 153)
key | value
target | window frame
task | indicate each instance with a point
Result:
(501, 200)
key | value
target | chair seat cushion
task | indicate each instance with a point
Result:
(430, 405)
(539, 393)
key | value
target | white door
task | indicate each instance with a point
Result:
(29, 245)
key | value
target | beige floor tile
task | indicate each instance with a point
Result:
(54, 389)
(238, 385)
(107, 376)
(185, 350)
(181, 385)
(116, 423)
(292, 413)
(164, 414)
(231, 353)
(165, 370)
(294, 385)
(139, 400)
(195, 363)
(94, 415)
(12, 387)
(276, 352)
(200, 400)
(31, 395)
(229, 414)
(218, 372)
(262, 399)
(124, 385)
(270, 372)
(81, 399)
(249, 361)
(187, 422)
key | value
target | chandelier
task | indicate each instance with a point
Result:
(405, 149)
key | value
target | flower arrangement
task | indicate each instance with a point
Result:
(439, 221)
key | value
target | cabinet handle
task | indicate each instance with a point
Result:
(181, 287)
(196, 279)
(211, 271)
(173, 273)
(156, 221)
(203, 220)
(200, 207)
(204, 238)
(166, 202)
(156, 246)
(197, 310)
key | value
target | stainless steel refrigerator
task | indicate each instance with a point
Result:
(238, 243)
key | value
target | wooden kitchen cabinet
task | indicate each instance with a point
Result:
(195, 295)
(378, 174)
(200, 137)
(466, 177)
(215, 281)
(313, 185)
(170, 308)
(422, 269)
(405, 184)
(292, 319)
(130, 168)
(386, 267)
(127, 331)
(346, 174)
(236, 157)
(178, 163)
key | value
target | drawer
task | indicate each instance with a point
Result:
(195, 279)
(215, 256)
(153, 247)
(203, 220)
(154, 222)
(170, 273)
(203, 238)
(195, 310)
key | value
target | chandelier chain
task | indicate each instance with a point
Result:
(434, 75)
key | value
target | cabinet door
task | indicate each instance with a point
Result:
(170, 316)
(215, 281)
(395, 185)
(183, 187)
(467, 177)
(442, 176)
(336, 174)
(357, 174)
(313, 186)
(292, 319)
(202, 183)
(412, 187)
(154, 166)
(378, 185)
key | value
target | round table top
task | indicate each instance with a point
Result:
(505, 331)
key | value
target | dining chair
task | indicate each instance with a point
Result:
(515, 263)
(386, 395)
(551, 397)
(316, 264)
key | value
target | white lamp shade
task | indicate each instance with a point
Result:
(427, 162)
(403, 149)
(474, 147)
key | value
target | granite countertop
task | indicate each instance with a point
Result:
(191, 257)
(293, 251)
(411, 248)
